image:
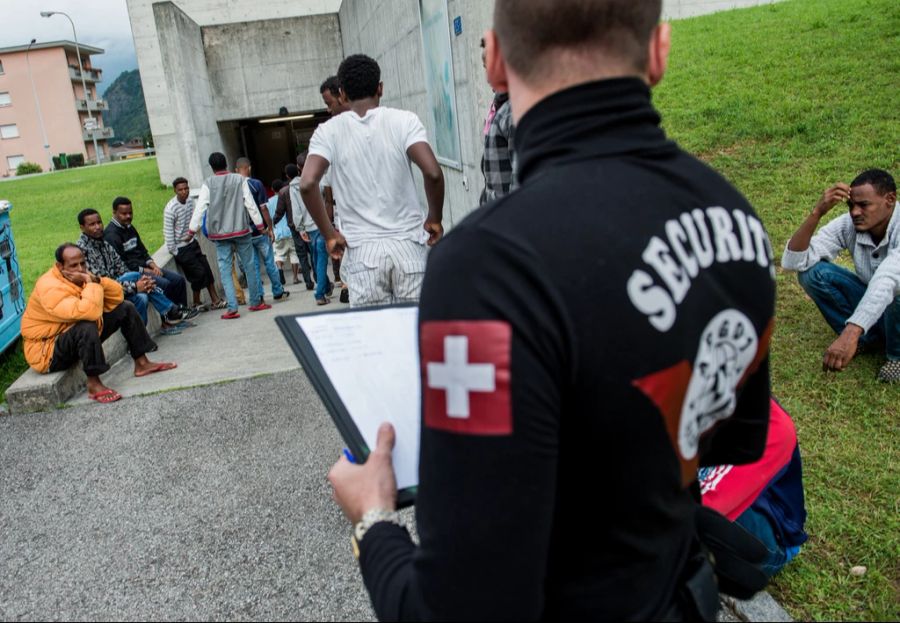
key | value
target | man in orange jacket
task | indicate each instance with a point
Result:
(71, 313)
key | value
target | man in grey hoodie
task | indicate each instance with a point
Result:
(223, 205)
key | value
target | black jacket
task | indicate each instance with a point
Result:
(624, 298)
(127, 242)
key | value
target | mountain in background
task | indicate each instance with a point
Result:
(127, 113)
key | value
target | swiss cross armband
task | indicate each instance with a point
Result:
(466, 377)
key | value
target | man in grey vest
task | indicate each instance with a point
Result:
(222, 208)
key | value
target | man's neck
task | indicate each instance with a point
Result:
(363, 106)
(524, 96)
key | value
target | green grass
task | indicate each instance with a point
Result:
(785, 100)
(44, 216)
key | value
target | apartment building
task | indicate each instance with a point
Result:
(43, 98)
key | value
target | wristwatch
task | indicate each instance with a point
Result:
(372, 517)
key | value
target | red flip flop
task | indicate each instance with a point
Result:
(231, 316)
(106, 397)
(161, 367)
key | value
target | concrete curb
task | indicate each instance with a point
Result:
(762, 607)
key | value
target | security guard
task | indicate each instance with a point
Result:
(564, 422)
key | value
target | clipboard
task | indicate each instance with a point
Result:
(304, 334)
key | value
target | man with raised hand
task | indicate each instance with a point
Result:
(863, 306)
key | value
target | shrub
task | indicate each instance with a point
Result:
(27, 168)
(73, 160)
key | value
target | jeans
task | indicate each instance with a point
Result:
(225, 252)
(320, 262)
(759, 526)
(156, 297)
(173, 286)
(303, 253)
(264, 254)
(837, 292)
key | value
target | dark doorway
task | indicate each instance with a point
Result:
(271, 143)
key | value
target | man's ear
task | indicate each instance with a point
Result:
(891, 199)
(494, 63)
(380, 89)
(660, 46)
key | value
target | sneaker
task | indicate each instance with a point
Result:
(231, 315)
(284, 296)
(345, 296)
(322, 301)
(169, 330)
(260, 307)
(189, 313)
(890, 372)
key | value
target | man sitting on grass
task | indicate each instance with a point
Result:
(71, 313)
(862, 307)
(140, 288)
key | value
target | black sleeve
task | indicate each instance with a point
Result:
(112, 236)
(485, 504)
(141, 251)
(283, 209)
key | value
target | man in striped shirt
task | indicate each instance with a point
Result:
(863, 307)
(190, 259)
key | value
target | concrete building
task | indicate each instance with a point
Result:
(63, 105)
(243, 78)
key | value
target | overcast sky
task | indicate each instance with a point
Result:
(101, 23)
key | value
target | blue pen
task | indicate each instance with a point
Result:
(349, 456)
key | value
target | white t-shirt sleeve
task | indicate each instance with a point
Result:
(321, 144)
(413, 130)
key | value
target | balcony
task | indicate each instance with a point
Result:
(101, 134)
(90, 75)
(92, 105)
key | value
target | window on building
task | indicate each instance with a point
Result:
(9, 131)
(1, 68)
(13, 162)
(5, 99)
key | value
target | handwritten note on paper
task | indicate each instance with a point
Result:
(372, 359)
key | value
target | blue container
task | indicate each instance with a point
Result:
(12, 301)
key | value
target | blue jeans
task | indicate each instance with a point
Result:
(320, 262)
(174, 286)
(837, 292)
(156, 297)
(758, 525)
(225, 252)
(263, 253)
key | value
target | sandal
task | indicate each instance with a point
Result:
(171, 330)
(232, 315)
(203, 308)
(106, 397)
(219, 305)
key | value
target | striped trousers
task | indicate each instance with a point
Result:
(384, 272)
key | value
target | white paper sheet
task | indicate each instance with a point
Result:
(372, 359)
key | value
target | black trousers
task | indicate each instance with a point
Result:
(85, 344)
(195, 266)
(304, 253)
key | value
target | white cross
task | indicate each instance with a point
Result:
(459, 378)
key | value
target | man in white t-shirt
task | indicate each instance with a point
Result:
(367, 153)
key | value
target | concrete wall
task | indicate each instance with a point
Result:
(204, 13)
(191, 102)
(363, 24)
(258, 67)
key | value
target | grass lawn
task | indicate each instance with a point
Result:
(784, 100)
(44, 216)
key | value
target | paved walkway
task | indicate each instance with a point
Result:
(216, 350)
